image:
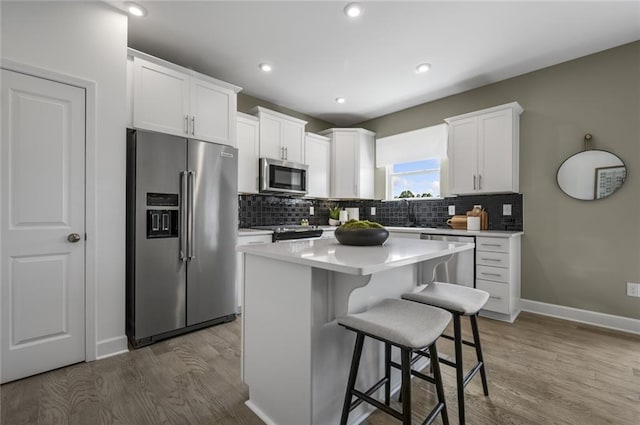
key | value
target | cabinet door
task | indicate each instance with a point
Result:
(160, 98)
(212, 112)
(318, 158)
(463, 154)
(248, 154)
(270, 135)
(293, 141)
(495, 152)
(345, 165)
(366, 154)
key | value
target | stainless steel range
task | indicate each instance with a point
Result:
(287, 232)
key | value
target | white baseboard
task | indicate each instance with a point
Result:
(603, 320)
(111, 347)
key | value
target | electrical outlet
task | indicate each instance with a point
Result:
(506, 209)
(633, 289)
(312, 211)
(452, 210)
(373, 210)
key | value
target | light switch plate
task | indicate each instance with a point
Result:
(312, 211)
(506, 209)
(633, 289)
(452, 210)
(373, 210)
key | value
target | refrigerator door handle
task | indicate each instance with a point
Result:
(183, 216)
(192, 207)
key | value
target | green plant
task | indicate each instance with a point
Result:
(364, 224)
(406, 194)
(334, 213)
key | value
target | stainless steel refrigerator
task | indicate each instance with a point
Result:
(182, 222)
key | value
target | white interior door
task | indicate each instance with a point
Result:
(42, 225)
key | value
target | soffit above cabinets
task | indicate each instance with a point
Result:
(318, 54)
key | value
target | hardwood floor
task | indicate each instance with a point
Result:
(541, 371)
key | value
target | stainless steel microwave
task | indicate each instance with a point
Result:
(286, 177)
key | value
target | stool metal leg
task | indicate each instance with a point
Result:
(405, 389)
(353, 374)
(433, 351)
(457, 339)
(387, 373)
(476, 341)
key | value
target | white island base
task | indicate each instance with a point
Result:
(296, 357)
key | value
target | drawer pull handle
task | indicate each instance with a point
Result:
(490, 244)
(255, 243)
(491, 259)
(495, 298)
(490, 274)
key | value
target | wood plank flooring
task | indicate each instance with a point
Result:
(541, 371)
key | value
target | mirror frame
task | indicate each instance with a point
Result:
(581, 152)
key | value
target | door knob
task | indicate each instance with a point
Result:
(73, 237)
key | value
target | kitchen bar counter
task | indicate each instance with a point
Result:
(296, 357)
(443, 231)
(328, 254)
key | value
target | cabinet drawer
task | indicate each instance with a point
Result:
(496, 274)
(255, 239)
(498, 295)
(492, 244)
(497, 259)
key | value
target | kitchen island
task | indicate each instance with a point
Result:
(295, 357)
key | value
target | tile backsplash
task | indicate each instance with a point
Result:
(265, 210)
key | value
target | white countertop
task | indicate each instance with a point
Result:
(440, 231)
(329, 254)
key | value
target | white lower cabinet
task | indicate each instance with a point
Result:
(498, 273)
(245, 239)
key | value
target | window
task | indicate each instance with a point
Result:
(414, 162)
(417, 179)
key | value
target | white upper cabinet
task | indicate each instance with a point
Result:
(352, 162)
(483, 150)
(174, 100)
(281, 136)
(248, 134)
(160, 98)
(213, 110)
(317, 151)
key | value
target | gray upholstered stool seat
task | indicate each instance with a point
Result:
(411, 328)
(400, 322)
(457, 298)
(460, 301)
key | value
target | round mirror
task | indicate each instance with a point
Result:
(592, 174)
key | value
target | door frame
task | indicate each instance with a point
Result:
(91, 184)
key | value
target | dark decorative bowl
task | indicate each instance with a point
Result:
(361, 237)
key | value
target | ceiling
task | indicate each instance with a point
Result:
(318, 54)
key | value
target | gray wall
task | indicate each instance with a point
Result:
(574, 253)
(314, 125)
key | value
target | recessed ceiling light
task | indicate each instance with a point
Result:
(135, 9)
(340, 100)
(352, 10)
(422, 68)
(265, 67)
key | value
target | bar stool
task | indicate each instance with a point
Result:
(410, 327)
(460, 301)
